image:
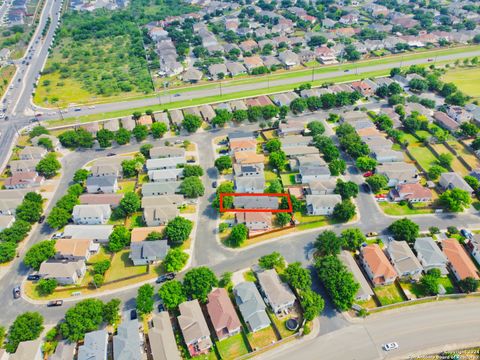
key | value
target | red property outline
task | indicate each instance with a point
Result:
(286, 195)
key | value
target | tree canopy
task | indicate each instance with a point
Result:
(198, 283)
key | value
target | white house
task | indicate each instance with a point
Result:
(322, 204)
(102, 184)
(91, 214)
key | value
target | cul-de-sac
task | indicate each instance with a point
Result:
(239, 179)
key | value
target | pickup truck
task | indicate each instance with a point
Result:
(55, 303)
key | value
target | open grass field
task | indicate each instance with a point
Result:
(467, 80)
(388, 294)
(457, 166)
(424, 156)
(232, 347)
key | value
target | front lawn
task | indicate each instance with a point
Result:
(261, 338)
(134, 221)
(391, 208)
(280, 324)
(126, 186)
(288, 179)
(232, 347)
(388, 294)
(123, 267)
(270, 175)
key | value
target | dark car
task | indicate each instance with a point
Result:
(33, 277)
(366, 188)
(170, 275)
(111, 154)
(55, 303)
(165, 277)
(16, 292)
(223, 151)
(161, 307)
(42, 219)
(133, 315)
(214, 184)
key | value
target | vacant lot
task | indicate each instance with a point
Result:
(467, 80)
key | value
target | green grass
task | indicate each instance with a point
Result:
(447, 283)
(126, 186)
(391, 208)
(249, 276)
(388, 294)
(457, 166)
(261, 338)
(280, 325)
(123, 267)
(288, 179)
(466, 154)
(6, 74)
(410, 138)
(423, 134)
(136, 220)
(466, 79)
(232, 347)
(423, 156)
(270, 175)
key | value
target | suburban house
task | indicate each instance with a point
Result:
(411, 192)
(156, 189)
(363, 88)
(102, 184)
(430, 255)
(255, 221)
(278, 294)
(445, 121)
(98, 233)
(165, 163)
(305, 160)
(251, 306)
(95, 346)
(161, 214)
(32, 152)
(194, 328)
(300, 150)
(398, 173)
(113, 200)
(404, 260)
(474, 246)
(377, 266)
(31, 350)
(65, 272)
(75, 249)
(241, 135)
(242, 145)
(159, 152)
(103, 169)
(64, 350)
(460, 263)
(165, 175)
(162, 339)
(224, 318)
(165, 200)
(148, 252)
(322, 204)
(322, 187)
(452, 180)
(22, 180)
(248, 157)
(388, 155)
(255, 202)
(291, 128)
(248, 170)
(91, 214)
(309, 173)
(364, 292)
(246, 184)
(127, 344)
(23, 165)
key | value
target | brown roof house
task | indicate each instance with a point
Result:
(162, 339)
(460, 263)
(255, 221)
(22, 180)
(32, 152)
(377, 266)
(278, 294)
(411, 192)
(194, 328)
(222, 314)
(75, 249)
(113, 200)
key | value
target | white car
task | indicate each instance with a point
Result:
(390, 346)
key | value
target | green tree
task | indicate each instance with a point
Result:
(131, 168)
(352, 238)
(145, 150)
(297, 276)
(445, 160)
(316, 128)
(27, 326)
(105, 138)
(469, 129)
(198, 283)
(130, 203)
(223, 163)
(173, 294)
(346, 189)
(58, 218)
(273, 145)
(192, 170)
(81, 175)
(468, 285)
(283, 219)
(140, 132)
(277, 160)
(37, 131)
(337, 167)
(435, 171)
(238, 235)
(366, 163)
(7, 251)
(158, 130)
(46, 286)
(192, 187)
(338, 281)
(455, 200)
(191, 123)
(344, 211)
(312, 304)
(48, 166)
(275, 187)
(144, 299)
(29, 211)
(404, 229)
(175, 260)
(122, 136)
(101, 267)
(430, 282)
(85, 316)
(46, 143)
(328, 243)
(226, 281)
(273, 260)
(225, 187)
(472, 181)
(240, 115)
(118, 239)
(111, 311)
(154, 235)
(377, 182)
(178, 230)
(39, 253)
(298, 105)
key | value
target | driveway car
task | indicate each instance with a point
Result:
(55, 303)
(390, 346)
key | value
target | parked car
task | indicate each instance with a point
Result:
(371, 234)
(16, 292)
(214, 184)
(42, 219)
(111, 154)
(133, 314)
(465, 233)
(55, 303)
(33, 277)
(368, 174)
(165, 277)
(161, 307)
(390, 346)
